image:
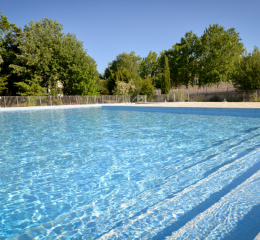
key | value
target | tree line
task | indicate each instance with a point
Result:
(35, 59)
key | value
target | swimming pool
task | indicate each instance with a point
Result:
(88, 173)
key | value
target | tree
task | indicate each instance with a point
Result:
(147, 87)
(51, 55)
(8, 50)
(123, 88)
(185, 64)
(5, 26)
(2, 79)
(166, 82)
(1, 61)
(33, 87)
(149, 65)
(247, 71)
(103, 87)
(124, 68)
(216, 54)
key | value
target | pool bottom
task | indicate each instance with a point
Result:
(89, 173)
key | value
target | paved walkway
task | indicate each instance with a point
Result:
(203, 104)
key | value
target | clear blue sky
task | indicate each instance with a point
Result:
(110, 27)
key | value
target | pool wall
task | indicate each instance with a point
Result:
(243, 112)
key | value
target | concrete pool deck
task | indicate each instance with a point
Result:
(202, 104)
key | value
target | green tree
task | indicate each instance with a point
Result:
(166, 82)
(3, 81)
(48, 53)
(124, 68)
(5, 26)
(103, 87)
(8, 50)
(185, 64)
(1, 61)
(247, 71)
(149, 65)
(216, 54)
(33, 87)
(147, 87)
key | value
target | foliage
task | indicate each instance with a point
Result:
(1, 61)
(42, 53)
(149, 65)
(53, 56)
(147, 87)
(123, 88)
(5, 26)
(3, 81)
(247, 71)
(33, 87)
(166, 82)
(217, 51)
(8, 50)
(124, 68)
(103, 87)
(186, 59)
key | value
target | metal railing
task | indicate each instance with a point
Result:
(174, 96)
(30, 101)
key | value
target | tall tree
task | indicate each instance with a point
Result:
(166, 82)
(52, 56)
(172, 56)
(5, 26)
(8, 50)
(247, 71)
(186, 58)
(2, 79)
(217, 52)
(149, 65)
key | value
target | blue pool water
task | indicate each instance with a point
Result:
(89, 173)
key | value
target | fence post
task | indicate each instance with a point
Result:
(69, 99)
(188, 97)
(243, 96)
(116, 98)
(174, 97)
(29, 101)
(40, 101)
(17, 100)
(256, 95)
(4, 102)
